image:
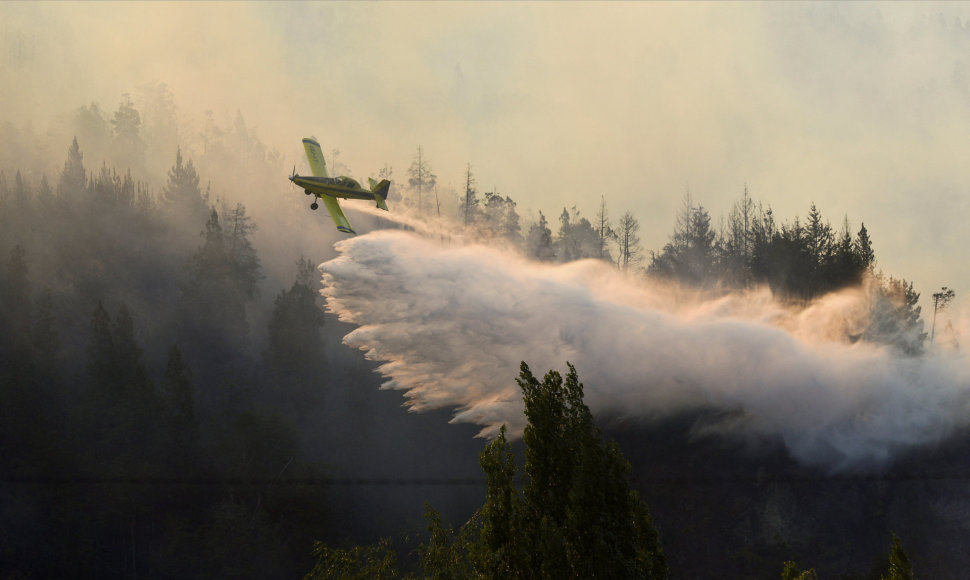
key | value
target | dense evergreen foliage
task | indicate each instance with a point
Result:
(575, 516)
(133, 441)
(159, 386)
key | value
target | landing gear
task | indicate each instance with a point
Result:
(314, 205)
(306, 192)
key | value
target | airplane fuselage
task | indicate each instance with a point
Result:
(341, 187)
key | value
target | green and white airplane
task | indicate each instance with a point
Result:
(328, 189)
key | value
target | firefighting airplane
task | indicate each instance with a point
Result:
(328, 189)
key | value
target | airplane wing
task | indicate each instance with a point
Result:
(314, 155)
(337, 214)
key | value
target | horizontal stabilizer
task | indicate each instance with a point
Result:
(380, 192)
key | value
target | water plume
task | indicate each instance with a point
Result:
(451, 322)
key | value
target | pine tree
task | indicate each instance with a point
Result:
(538, 243)
(469, 204)
(863, 249)
(240, 251)
(818, 238)
(565, 244)
(73, 178)
(420, 176)
(604, 232)
(295, 350)
(212, 321)
(791, 571)
(501, 218)
(899, 565)
(576, 516)
(628, 241)
(182, 189)
(125, 128)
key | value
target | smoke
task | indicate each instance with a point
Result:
(451, 322)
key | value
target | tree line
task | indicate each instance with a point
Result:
(798, 260)
(147, 428)
(153, 403)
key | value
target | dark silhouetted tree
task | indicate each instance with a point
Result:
(791, 571)
(941, 300)
(213, 326)
(501, 219)
(576, 516)
(899, 565)
(238, 231)
(604, 232)
(863, 249)
(894, 316)
(182, 189)
(628, 241)
(538, 242)
(470, 205)
(295, 351)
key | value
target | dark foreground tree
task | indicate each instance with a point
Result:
(899, 566)
(575, 517)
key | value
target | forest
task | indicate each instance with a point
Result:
(177, 402)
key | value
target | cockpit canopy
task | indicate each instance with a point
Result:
(345, 181)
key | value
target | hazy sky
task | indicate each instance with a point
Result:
(862, 108)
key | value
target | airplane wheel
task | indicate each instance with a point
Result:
(314, 205)
(306, 192)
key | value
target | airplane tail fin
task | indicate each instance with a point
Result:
(380, 192)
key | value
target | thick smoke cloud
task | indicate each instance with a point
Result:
(450, 323)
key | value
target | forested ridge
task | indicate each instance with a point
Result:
(161, 379)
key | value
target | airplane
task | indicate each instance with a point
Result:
(328, 189)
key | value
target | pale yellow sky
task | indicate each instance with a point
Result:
(862, 108)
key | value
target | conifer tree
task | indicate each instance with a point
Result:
(899, 565)
(576, 516)
(604, 232)
(295, 352)
(628, 241)
(501, 218)
(125, 128)
(73, 178)
(182, 189)
(213, 328)
(420, 176)
(469, 206)
(791, 571)
(863, 248)
(538, 243)
(239, 228)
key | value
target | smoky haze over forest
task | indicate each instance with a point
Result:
(787, 179)
(856, 107)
